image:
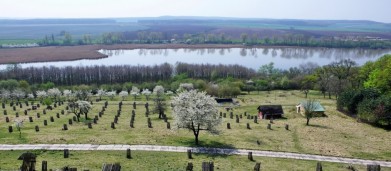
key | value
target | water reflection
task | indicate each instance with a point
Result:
(283, 52)
(283, 57)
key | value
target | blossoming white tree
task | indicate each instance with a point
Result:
(100, 93)
(5, 95)
(111, 94)
(123, 94)
(158, 90)
(80, 107)
(135, 92)
(67, 94)
(185, 87)
(196, 111)
(55, 93)
(146, 93)
(41, 94)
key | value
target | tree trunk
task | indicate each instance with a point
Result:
(196, 139)
(85, 115)
(308, 121)
(329, 95)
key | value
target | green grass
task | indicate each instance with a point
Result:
(17, 41)
(142, 160)
(335, 135)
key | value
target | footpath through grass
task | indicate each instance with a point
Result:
(142, 160)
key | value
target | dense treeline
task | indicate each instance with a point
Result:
(153, 37)
(90, 74)
(211, 72)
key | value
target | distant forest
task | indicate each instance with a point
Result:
(198, 30)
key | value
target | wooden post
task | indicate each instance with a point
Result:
(58, 115)
(44, 166)
(51, 119)
(65, 127)
(228, 126)
(319, 167)
(189, 166)
(45, 122)
(250, 156)
(248, 126)
(128, 153)
(257, 167)
(189, 154)
(7, 119)
(10, 129)
(31, 119)
(149, 123)
(36, 128)
(70, 121)
(168, 125)
(89, 125)
(66, 153)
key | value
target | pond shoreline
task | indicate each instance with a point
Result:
(71, 53)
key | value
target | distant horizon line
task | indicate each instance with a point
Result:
(184, 17)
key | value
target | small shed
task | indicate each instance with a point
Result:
(318, 108)
(270, 111)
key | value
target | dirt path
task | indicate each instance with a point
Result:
(298, 156)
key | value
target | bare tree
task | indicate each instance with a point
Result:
(309, 109)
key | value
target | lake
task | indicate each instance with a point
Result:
(283, 57)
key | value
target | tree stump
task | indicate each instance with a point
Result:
(65, 127)
(38, 115)
(66, 153)
(189, 154)
(74, 118)
(25, 112)
(14, 108)
(250, 156)
(51, 119)
(58, 115)
(17, 114)
(30, 119)
(128, 153)
(62, 112)
(70, 121)
(10, 129)
(36, 128)
(95, 121)
(45, 122)
(287, 127)
(44, 111)
(248, 126)
(7, 119)
(224, 115)
(228, 126)
(5, 112)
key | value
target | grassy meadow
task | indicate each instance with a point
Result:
(335, 135)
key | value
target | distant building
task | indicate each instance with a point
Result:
(270, 111)
(319, 109)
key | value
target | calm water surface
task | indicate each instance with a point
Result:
(283, 58)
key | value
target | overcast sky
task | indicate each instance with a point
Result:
(376, 10)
